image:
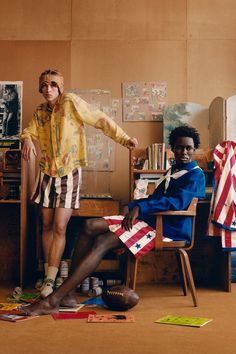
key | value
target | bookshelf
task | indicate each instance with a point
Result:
(13, 217)
(139, 160)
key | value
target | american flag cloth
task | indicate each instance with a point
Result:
(139, 240)
(223, 208)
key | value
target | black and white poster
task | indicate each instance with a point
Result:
(10, 114)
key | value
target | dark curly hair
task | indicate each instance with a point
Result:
(184, 131)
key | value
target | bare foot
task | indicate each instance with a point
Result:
(69, 301)
(42, 307)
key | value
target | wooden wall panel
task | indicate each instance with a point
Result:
(128, 19)
(25, 60)
(211, 70)
(106, 64)
(35, 20)
(211, 19)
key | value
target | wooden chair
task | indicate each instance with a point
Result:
(176, 246)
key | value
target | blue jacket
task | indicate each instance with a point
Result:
(178, 196)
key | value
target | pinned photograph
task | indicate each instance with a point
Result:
(10, 114)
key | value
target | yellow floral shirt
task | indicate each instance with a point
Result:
(61, 133)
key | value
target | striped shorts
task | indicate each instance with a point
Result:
(58, 192)
(139, 240)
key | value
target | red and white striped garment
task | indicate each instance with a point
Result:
(139, 240)
(223, 210)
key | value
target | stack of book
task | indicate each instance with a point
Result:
(156, 156)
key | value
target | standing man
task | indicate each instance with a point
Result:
(58, 126)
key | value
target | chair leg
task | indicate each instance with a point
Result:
(132, 271)
(189, 275)
(182, 273)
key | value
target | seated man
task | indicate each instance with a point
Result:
(175, 190)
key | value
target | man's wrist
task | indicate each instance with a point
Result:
(27, 140)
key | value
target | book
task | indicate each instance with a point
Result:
(71, 309)
(12, 173)
(156, 156)
(184, 320)
(15, 318)
(10, 308)
(110, 318)
(24, 297)
(94, 302)
(151, 176)
(72, 315)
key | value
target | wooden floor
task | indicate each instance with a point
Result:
(45, 335)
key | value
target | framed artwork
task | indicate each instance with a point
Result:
(190, 113)
(144, 101)
(10, 114)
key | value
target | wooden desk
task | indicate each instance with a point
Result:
(97, 207)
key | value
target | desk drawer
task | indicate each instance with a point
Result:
(97, 208)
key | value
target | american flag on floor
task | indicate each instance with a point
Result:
(223, 211)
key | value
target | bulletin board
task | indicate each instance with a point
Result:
(144, 101)
(100, 148)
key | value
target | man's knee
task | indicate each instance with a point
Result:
(93, 226)
(59, 228)
(88, 226)
(47, 225)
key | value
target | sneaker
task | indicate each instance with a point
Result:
(39, 283)
(58, 282)
(47, 288)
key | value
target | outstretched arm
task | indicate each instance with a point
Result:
(102, 121)
(132, 143)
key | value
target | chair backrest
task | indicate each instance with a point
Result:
(190, 212)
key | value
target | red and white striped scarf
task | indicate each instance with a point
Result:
(223, 209)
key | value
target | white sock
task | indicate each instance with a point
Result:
(47, 288)
(52, 272)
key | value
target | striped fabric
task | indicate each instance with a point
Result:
(139, 240)
(223, 210)
(58, 192)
